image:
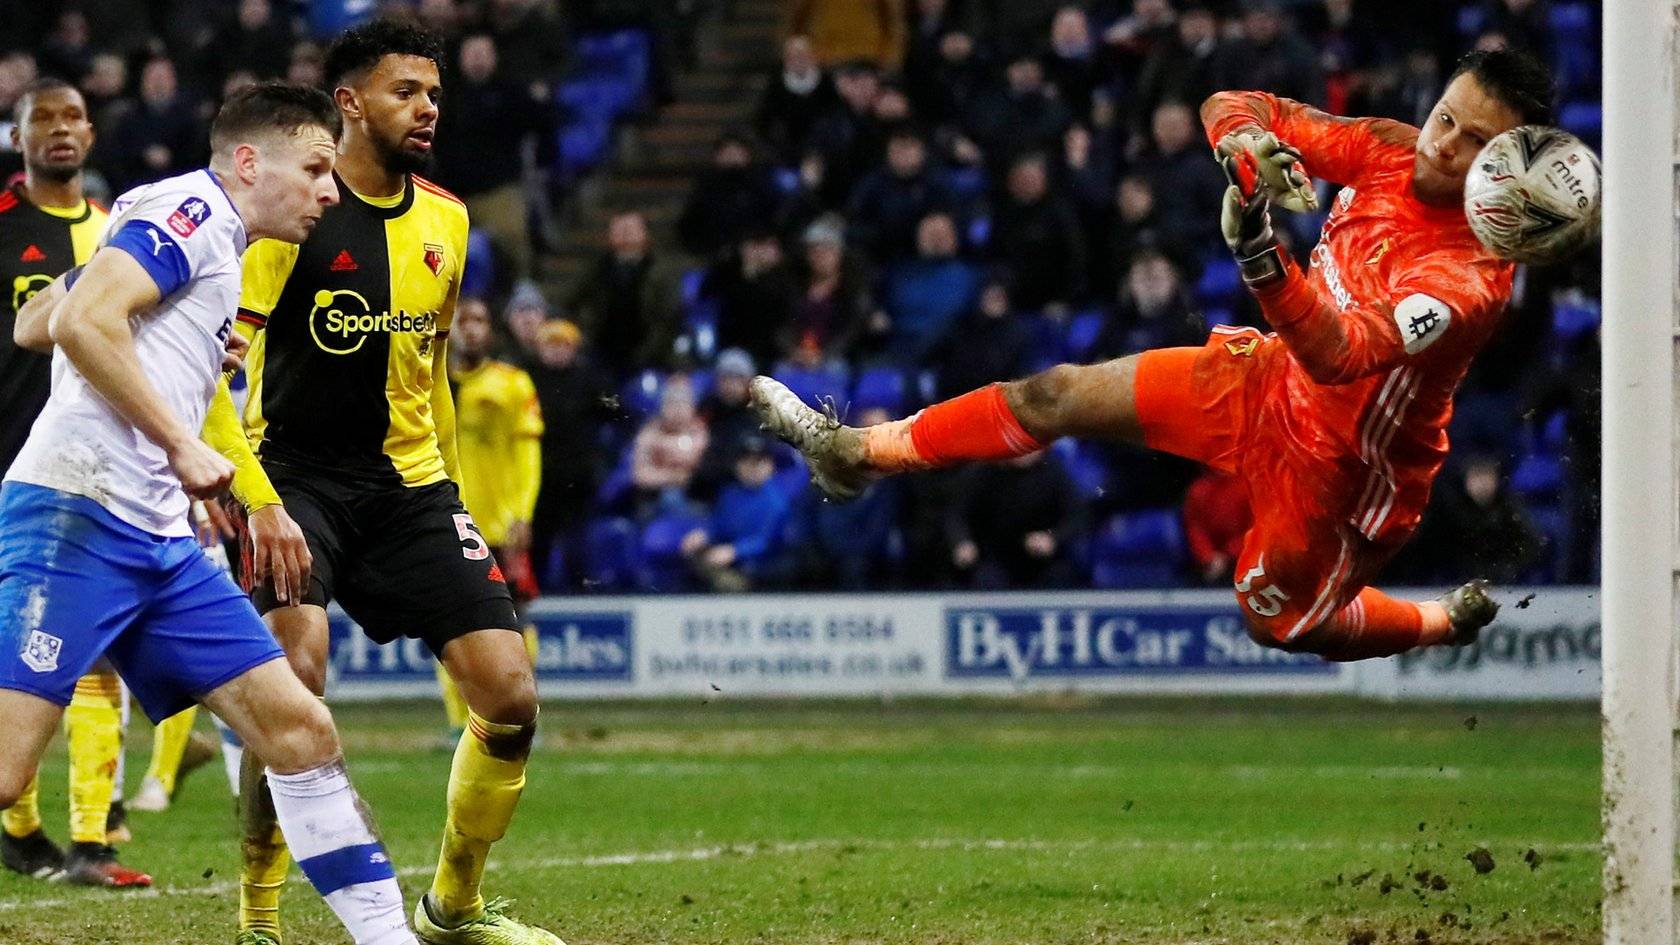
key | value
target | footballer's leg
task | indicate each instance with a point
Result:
(1374, 624)
(996, 422)
(301, 631)
(200, 640)
(30, 722)
(93, 729)
(492, 669)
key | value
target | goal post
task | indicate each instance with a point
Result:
(1641, 551)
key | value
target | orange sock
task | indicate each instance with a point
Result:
(1375, 624)
(977, 425)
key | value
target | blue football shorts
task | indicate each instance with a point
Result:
(77, 583)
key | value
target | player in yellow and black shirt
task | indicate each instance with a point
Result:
(352, 421)
(47, 227)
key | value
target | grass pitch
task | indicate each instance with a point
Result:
(1232, 821)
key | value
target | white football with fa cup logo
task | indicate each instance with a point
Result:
(1532, 195)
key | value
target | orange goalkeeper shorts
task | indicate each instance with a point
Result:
(1301, 560)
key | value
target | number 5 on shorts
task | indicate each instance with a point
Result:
(1267, 601)
(467, 531)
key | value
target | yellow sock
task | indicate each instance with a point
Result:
(169, 743)
(454, 706)
(533, 641)
(484, 785)
(93, 726)
(24, 817)
(265, 857)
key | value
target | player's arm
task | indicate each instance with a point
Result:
(1330, 147)
(92, 327)
(527, 460)
(30, 331)
(1337, 346)
(443, 409)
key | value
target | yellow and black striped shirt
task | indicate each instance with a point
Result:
(342, 373)
(37, 245)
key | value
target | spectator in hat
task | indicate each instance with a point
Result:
(524, 315)
(739, 548)
(575, 401)
(629, 304)
(834, 300)
(1073, 64)
(1153, 311)
(732, 196)
(1179, 69)
(729, 420)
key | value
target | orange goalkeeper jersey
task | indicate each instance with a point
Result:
(1380, 330)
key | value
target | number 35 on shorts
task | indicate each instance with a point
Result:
(1267, 600)
(477, 549)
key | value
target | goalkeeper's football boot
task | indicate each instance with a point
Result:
(33, 855)
(254, 937)
(493, 927)
(1469, 609)
(95, 864)
(832, 450)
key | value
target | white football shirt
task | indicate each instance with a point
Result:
(186, 234)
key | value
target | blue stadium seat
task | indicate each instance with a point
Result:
(787, 180)
(883, 387)
(1082, 332)
(1049, 346)
(1538, 478)
(1575, 54)
(1585, 119)
(583, 146)
(640, 396)
(1552, 522)
(1471, 18)
(610, 554)
(1574, 317)
(662, 567)
(598, 98)
(792, 477)
(1138, 549)
(1086, 464)
(966, 183)
(624, 53)
(1220, 282)
(614, 492)
(1554, 436)
(478, 275)
(813, 384)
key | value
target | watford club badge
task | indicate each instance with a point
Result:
(434, 258)
(1242, 349)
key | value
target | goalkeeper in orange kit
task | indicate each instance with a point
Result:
(1336, 421)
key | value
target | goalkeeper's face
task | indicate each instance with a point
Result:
(398, 103)
(1466, 118)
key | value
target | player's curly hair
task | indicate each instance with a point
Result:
(1516, 77)
(360, 48)
(272, 106)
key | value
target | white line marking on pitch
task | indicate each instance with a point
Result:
(699, 854)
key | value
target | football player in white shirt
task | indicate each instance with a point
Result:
(100, 558)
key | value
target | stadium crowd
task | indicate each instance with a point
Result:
(931, 196)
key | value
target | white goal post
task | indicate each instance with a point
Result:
(1641, 363)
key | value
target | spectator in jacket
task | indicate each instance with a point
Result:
(574, 398)
(628, 304)
(729, 421)
(890, 200)
(1153, 311)
(1216, 517)
(849, 545)
(162, 135)
(989, 345)
(1271, 56)
(926, 296)
(834, 302)
(1037, 236)
(740, 546)
(1186, 183)
(794, 96)
(734, 195)
(1013, 524)
(754, 291)
(848, 137)
(669, 445)
(480, 147)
